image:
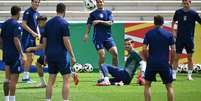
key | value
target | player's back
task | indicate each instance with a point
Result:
(10, 29)
(55, 29)
(159, 41)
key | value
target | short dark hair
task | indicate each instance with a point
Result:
(15, 10)
(128, 39)
(61, 8)
(158, 20)
(33, 0)
(42, 18)
(186, 0)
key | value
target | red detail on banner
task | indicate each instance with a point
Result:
(131, 24)
(140, 33)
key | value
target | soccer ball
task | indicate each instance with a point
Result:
(90, 4)
(179, 69)
(77, 67)
(184, 68)
(197, 68)
(88, 67)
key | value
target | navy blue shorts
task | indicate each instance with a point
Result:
(165, 72)
(59, 66)
(14, 66)
(27, 42)
(105, 44)
(118, 74)
(188, 45)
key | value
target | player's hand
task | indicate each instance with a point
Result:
(85, 38)
(30, 49)
(73, 61)
(96, 22)
(35, 35)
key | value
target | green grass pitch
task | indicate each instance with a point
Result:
(87, 91)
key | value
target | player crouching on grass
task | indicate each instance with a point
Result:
(121, 75)
(41, 60)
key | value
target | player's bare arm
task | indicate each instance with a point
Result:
(68, 45)
(85, 37)
(172, 54)
(107, 23)
(27, 28)
(19, 48)
(173, 30)
(145, 52)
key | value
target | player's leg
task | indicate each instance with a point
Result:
(175, 65)
(113, 51)
(111, 47)
(106, 70)
(190, 67)
(190, 50)
(14, 75)
(27, 66)
(101, 54)
(66, 87)
(13, 81)
(170, 92)
(6, 83)
(52, 70)
(179, 47)
(147, 90)
(64, 69)
(150, 75)
(49, 88)
(39, 65)
(166, 76)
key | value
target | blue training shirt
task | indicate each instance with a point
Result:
(186, 23)
(101, 32)
(30, 16)
(55, 29)
(158, 41)
(10, 29)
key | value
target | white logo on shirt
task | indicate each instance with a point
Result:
(27, 12)
(101, 15)
(185, 18)
(19, 28)
(97, 46)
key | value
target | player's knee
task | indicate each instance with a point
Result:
(6, 84)
(114, 55)
(102, 58)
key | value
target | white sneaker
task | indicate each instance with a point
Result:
(189, 78)
(104, 83)
(174, 76)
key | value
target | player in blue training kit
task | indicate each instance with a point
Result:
(186, 18)
(12, 52)
(57, 46)
(157, 43)
(41, 61)
(125, 74)
(102, 21)
(30, 32)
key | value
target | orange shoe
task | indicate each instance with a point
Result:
(103, 83)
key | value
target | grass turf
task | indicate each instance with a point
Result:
(87, 91)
